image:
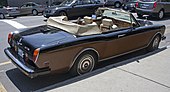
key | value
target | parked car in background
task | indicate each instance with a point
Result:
(31, 8)
(56, 3)
(155, 8)
(76, 46)
(115, 3)
(8, 12)
(73, 8)
(130, 5)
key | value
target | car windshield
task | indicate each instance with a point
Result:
(117, 15)
(148, 0)
(67, 2)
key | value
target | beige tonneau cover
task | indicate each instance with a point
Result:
(74, 28)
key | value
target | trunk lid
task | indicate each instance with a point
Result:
(41, 36)
(146, 4)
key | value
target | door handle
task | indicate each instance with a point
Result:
(121, 35)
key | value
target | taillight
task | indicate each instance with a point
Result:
(10, 37)
(137, 4)
(35, 54)
(154, 5)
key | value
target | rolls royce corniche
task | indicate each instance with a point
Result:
(75, 46)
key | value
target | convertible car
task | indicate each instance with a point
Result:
(75, 46)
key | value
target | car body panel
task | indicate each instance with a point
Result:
(9, 11)
(28, 7)
(59, 47)
(147, 7)
(73, 9)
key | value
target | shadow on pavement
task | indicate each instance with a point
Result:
(52, 81)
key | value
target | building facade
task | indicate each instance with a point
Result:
(18, 3)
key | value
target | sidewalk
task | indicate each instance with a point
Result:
(149, 74)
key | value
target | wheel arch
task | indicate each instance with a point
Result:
(63, 11)
(158, 33)
(83, 51)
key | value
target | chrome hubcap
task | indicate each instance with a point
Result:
(1, 16)
(62, 14)
(117, 5)
(86, 64)
(161, 14)
(156, 42)
(35, 12)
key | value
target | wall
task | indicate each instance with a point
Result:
(20, 2)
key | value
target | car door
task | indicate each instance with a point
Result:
(89, 7)
(76, 9)
(126, 40)
(25, 9)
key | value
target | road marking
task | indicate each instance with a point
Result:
(2, 88)
(14, 24)
(5, 63)
(168, 46)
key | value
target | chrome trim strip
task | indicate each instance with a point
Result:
(17, 62)
(26, 70)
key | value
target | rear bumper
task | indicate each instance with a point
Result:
(24, 68)
(146, 12)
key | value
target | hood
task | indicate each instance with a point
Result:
(44, 36)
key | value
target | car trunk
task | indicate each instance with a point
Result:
(27, 41)
(146, 5)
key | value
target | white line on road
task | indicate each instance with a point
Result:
(2, 88)
(14, 24)
(5, 63)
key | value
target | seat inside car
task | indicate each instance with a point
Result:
(106, 25)
(87, 20)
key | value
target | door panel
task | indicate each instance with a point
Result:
(128, 41)
(25, 9)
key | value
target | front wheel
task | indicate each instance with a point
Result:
(84, 63)
(117, 4)
(154, 44)
(2, 16)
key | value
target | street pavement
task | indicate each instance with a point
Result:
(136, 72)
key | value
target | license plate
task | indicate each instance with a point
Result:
(20, 53)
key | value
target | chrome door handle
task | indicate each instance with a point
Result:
(121, 35)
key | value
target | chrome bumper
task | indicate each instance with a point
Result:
(25, 69)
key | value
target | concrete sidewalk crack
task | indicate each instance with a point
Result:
(144, 78)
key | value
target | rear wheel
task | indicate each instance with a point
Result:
(117, 4)
(84, 63)
(154, 44)
(34, 12)
(160, 14)
(2, 16)
(62, 13)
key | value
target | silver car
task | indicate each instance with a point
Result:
(8, 12)
(155, 8)
(31, 8)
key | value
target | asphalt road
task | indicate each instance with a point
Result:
(135, 72)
